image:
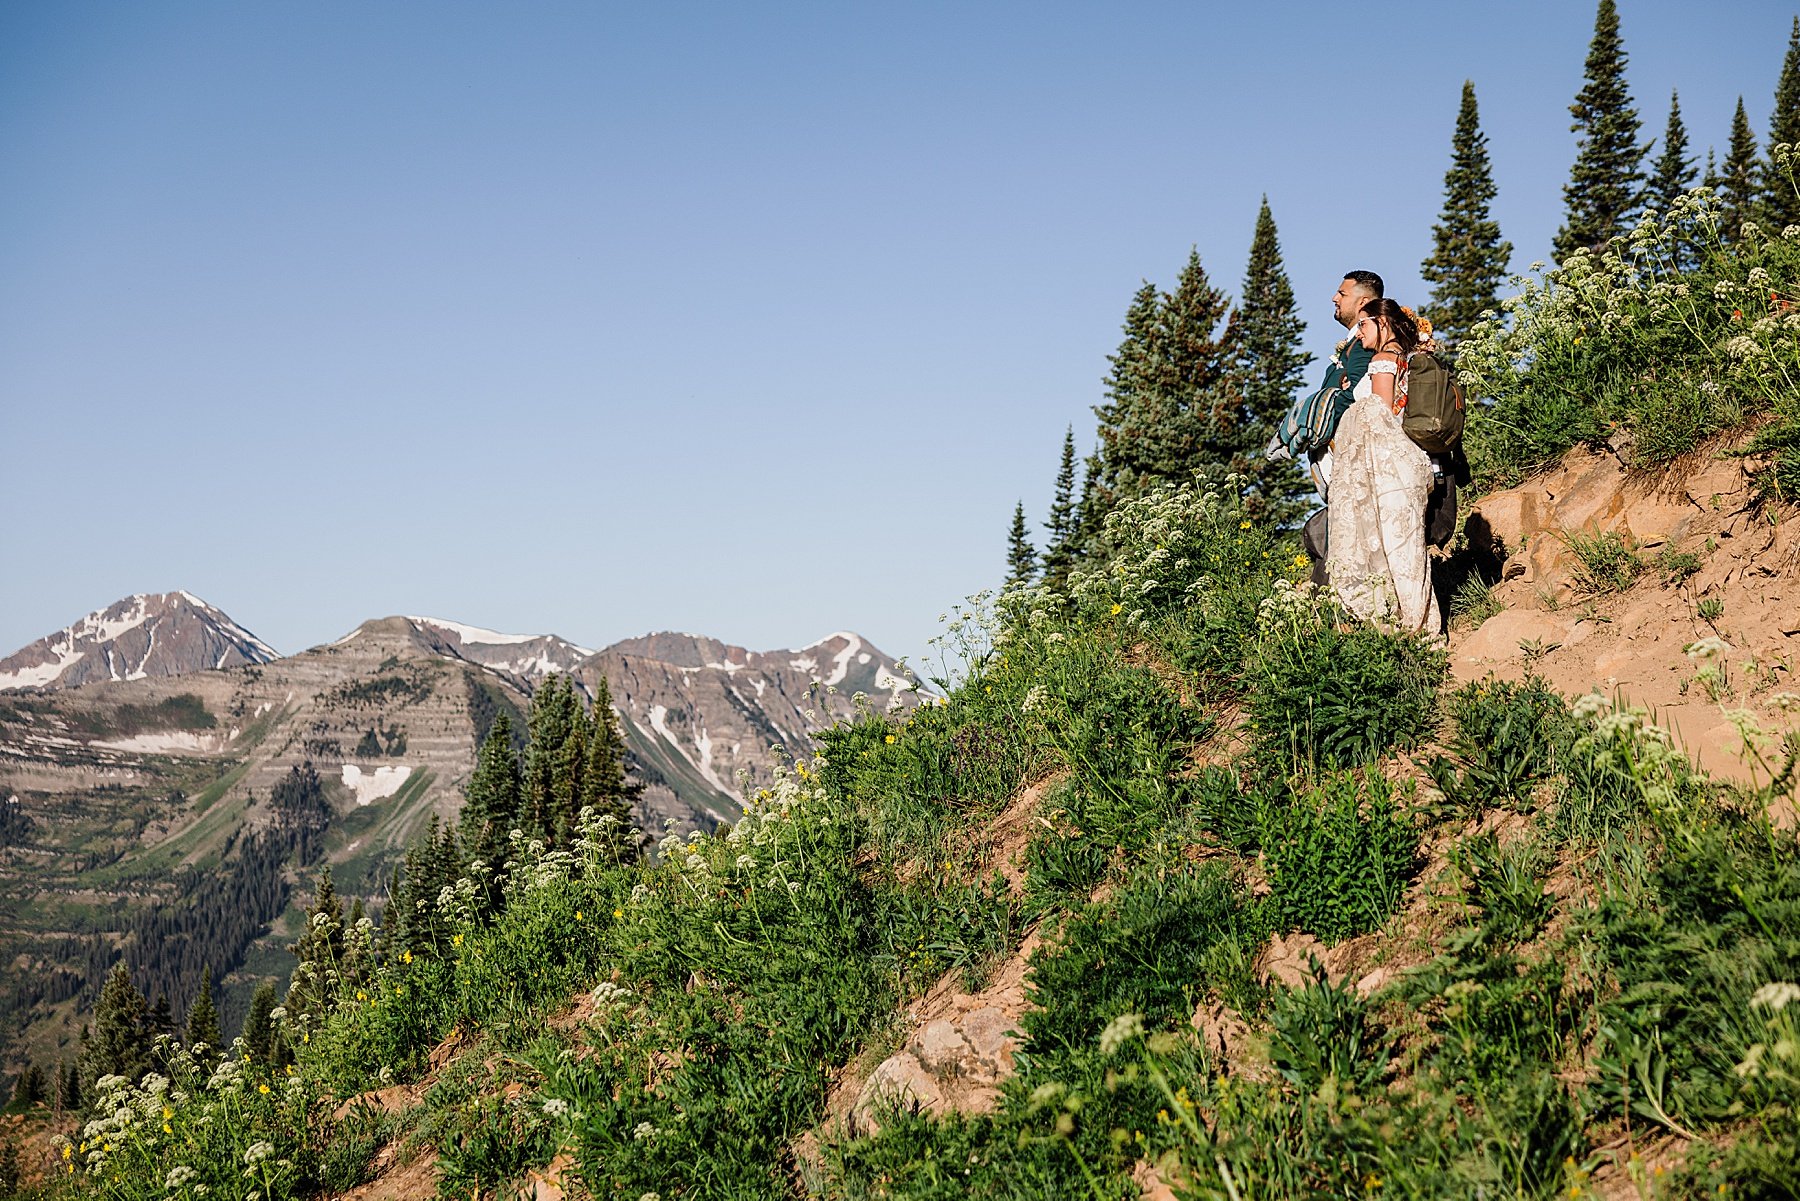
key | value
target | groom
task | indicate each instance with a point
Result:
(1348, 365)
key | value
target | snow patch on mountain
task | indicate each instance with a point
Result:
(375, 785)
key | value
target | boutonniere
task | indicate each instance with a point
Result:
(1337, 352)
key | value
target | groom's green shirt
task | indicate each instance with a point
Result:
(1350, 364)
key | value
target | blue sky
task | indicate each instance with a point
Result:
(750, 320)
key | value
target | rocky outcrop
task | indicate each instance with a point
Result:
(144, 636)
(1716, 565)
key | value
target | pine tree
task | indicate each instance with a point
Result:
(1468, 260)
(1673, 172)
(1267, 362)
(262, 1039)
(69, 1098)
(566, 784)
(119, 1043)
(1602, 193)
(1171, 410)
(1021, 556)
(609, 793)
(492, 807)
(203, 1017)
(553, 710)
(1781, 181)
(1113, 469)
(29, 1089)
(1060, 530)
(1740, 186)
(313, 988)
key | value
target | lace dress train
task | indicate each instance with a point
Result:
(1380, 482)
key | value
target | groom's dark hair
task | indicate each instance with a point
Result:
(1368, 280)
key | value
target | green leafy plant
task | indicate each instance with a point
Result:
(1338, 694)
(1338, 856)
(1507, 738)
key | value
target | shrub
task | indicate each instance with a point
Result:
(1605, 562)
(1322, 1032)
(1507, 739)
(1338, 856)
(1337, 695)
(1673, 333)
(1155, 949)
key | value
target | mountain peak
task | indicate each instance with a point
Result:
(144, 634)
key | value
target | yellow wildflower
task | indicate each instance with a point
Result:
(618, 913)
(262, 1088)
(890, 739)
(1117, 609)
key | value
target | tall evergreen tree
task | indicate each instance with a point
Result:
(1603, 189)
(262, 1038)
(1781, 184)
(1741, 183)
(68, 1097)
(555, 709)
(1061, 529)
(119, 1043)
(1673, 172)
(203, 1017)
(493, 806)
(1468, 259)
(609, 792)
(1021, 556)
(1267, 362)
(1171, 409)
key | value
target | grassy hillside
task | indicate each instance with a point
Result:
(1288, 914)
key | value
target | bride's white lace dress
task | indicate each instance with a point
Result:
(1380, 482)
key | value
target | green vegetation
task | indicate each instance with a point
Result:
(1627, 343)
(183, 712)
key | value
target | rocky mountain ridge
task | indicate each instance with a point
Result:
(122, 797)
(143, 635)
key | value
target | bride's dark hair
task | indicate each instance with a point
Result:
(1406, 330)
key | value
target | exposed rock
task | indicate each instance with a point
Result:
(143, 636)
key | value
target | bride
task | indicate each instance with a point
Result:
(1379, 484)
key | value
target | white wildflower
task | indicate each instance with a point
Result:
(1122, 1028)
(1775, 995)
(1708, 647)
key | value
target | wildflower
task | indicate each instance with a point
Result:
(1706, 648)
(262, 1088)
(1243, 525)
(1775, 995)
(890, 740)
(618, 913)
(555, 1107)
(1116, 609)
(1119, 1030)
(258, 1151)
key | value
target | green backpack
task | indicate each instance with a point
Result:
(1434, 404)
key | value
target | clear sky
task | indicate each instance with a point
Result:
(752, 320)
